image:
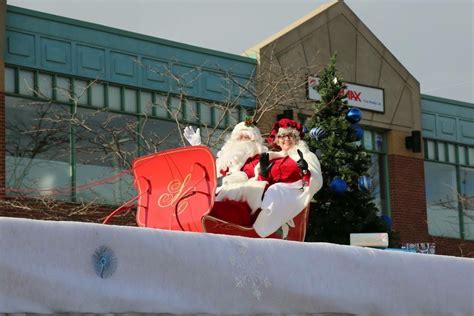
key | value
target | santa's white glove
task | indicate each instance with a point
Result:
(193, 137)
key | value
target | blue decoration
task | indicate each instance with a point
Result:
(364, 183)
(358, 131)
(305, 130)
(354, 115)
(104, 262)
(388, 220)
(338, 185)
(318, 133)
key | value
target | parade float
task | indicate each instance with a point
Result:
(173, 265)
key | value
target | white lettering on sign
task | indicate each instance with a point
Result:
(357, 96)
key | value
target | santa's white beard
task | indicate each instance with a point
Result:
(235, 153)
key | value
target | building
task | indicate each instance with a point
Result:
(80, 101)
(395, 118)
(136, 87)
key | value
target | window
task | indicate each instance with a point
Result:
(27, 86)
(105, 145)
(115, 98)
(63, 89)
(146, 103)
(449, 185)
(160, 106)
(9, 80)
(130, 101)
(440, 186)
(48, 154)
(45, 86)
(374, 143)
(205, 114)
(219, 116)
(191, 111)
(37, 149)
(97, 95)
(81, 91)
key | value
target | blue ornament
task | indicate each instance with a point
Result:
(318, 133)
(364, 183)
(388, 220)
(358, 131)
(104, 262)
(338, 186)
(305, 130)
(354, 115)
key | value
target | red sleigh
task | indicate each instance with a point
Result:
(176, 190)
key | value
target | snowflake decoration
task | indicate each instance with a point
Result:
(248, 272)
(104, 262)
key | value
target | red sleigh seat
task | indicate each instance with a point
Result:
(175, 188)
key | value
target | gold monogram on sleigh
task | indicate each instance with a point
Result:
(176, 190)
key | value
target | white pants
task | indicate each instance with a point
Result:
(281, 203)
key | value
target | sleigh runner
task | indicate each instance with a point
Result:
(176, 191)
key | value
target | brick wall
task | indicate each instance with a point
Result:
(408, 204)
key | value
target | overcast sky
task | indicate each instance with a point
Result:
(433, 39)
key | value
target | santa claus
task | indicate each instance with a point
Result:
(237, 163)
(293, 178)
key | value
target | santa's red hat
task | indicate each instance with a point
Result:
(285, 123)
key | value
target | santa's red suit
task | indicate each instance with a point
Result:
(241, 192)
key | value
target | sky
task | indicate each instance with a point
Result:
(433, 39)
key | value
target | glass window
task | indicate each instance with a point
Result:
(9, 80)
(471, 156)
(462, 155)
(467, 201)
(377, 175)
(146, 103)
(441, 152)
(161, 105)
(451, 153)
(115, 98)
(234, 117)
(63, 89)
(441, 200)
(80, 91)
(430, 145)
(27, 86)
(213, 138)
(219, 116)
(130, 101)
(97, 94)
(205, 114)
(37, 149)
(368, 140)
(105, 145)
(160, 135)
(45, 86)
(175, 108)
(191, 111)
(378, 142)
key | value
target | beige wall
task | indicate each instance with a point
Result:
(305, 48)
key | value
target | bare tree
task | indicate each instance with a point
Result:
(105, 139)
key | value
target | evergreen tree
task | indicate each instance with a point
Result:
(335, 215)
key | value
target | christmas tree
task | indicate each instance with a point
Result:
(344, 205)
